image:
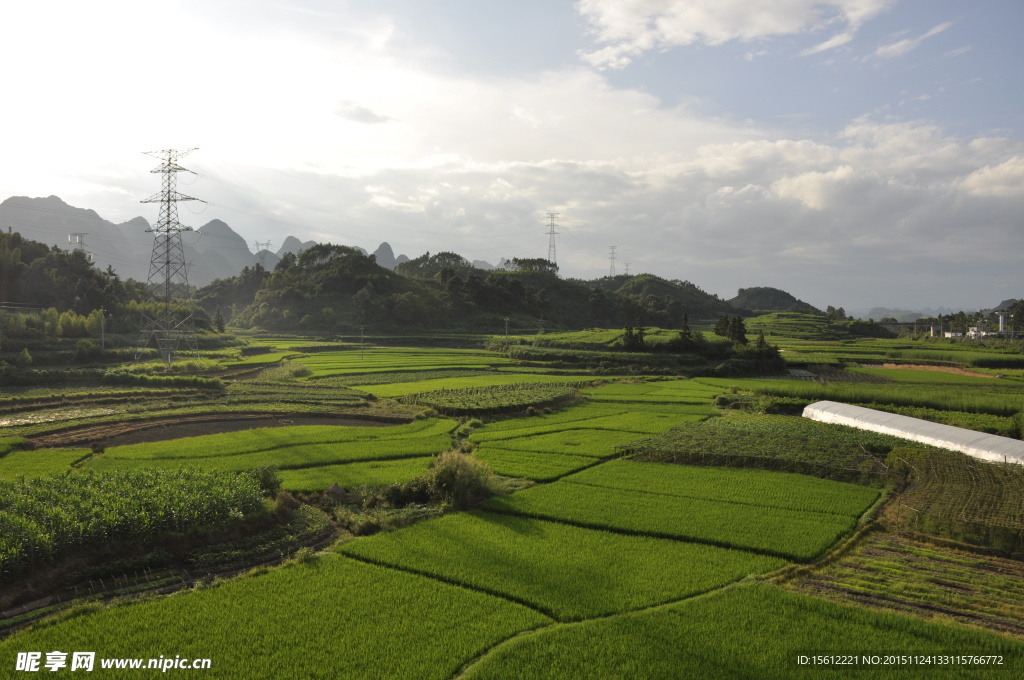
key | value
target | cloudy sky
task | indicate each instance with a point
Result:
(852, 152)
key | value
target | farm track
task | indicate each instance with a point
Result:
(164, 428)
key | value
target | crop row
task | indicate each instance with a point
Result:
(540, 467)
(353, 475)
(333, 617)
(916, 375)
(51, 516)
(494, 398)
(785, 533)
(750, 631)
(388, 391)
(267, 439)
(376, 359)
(775, 442)
(1000, 400)
(39, 463)
(744, 486)
(565, 571)
(960, 497)
(296, 456)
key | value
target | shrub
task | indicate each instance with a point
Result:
(87, 350)
(285, 505)
(268, 479)
(459, 481)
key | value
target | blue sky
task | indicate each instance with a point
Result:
(853, 152)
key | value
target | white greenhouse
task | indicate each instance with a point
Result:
(978, 444)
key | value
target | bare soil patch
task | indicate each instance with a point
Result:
(164, 428)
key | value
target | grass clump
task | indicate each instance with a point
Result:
(459, 481)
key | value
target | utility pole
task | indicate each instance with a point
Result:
(611, 259)
(103, 330)
(173, 324)
(506, 331)
(361, 338)
(552, 233)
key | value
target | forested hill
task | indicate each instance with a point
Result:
(766, 299)
(331, 288)
(34, 275)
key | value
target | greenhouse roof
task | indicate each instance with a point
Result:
(978, 444)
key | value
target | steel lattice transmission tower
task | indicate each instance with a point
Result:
(552, 233)
(611, 259)
(172, 328)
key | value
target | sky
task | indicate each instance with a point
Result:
(854, 153)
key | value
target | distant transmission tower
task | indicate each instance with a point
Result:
(172, 325)
(611, 259)
(552, 233)
(77, 239)
(261, 251)
(627, 269)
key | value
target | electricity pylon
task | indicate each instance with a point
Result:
(172, 325)
(261, 251)
(551, 241)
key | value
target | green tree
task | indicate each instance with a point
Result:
(737, 330)
(218, 320)
(722, 326)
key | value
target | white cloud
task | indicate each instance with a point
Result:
(1005, 179)
(631, 27)
(816, 190)
(901, 47)
(349, 141)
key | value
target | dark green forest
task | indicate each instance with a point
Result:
(332, 288)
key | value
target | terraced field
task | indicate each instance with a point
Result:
(375, 359)
(547, 447)
(607, 567)
(690, 513)
(525, 560)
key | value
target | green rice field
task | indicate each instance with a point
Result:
(793, 534)
(750, 631)
(632, 530)
(567, 572)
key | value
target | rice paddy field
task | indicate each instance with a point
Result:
(642, 532)
(375, 359)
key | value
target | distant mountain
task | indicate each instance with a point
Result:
(767, 299)
(213, 251)
(126, 246)
(385, 256)
(480, 264)
(901, 315)
(293, 245)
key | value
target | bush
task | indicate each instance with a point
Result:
(459, 481)
(285, 505)
(87, 350)
(268, 479)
